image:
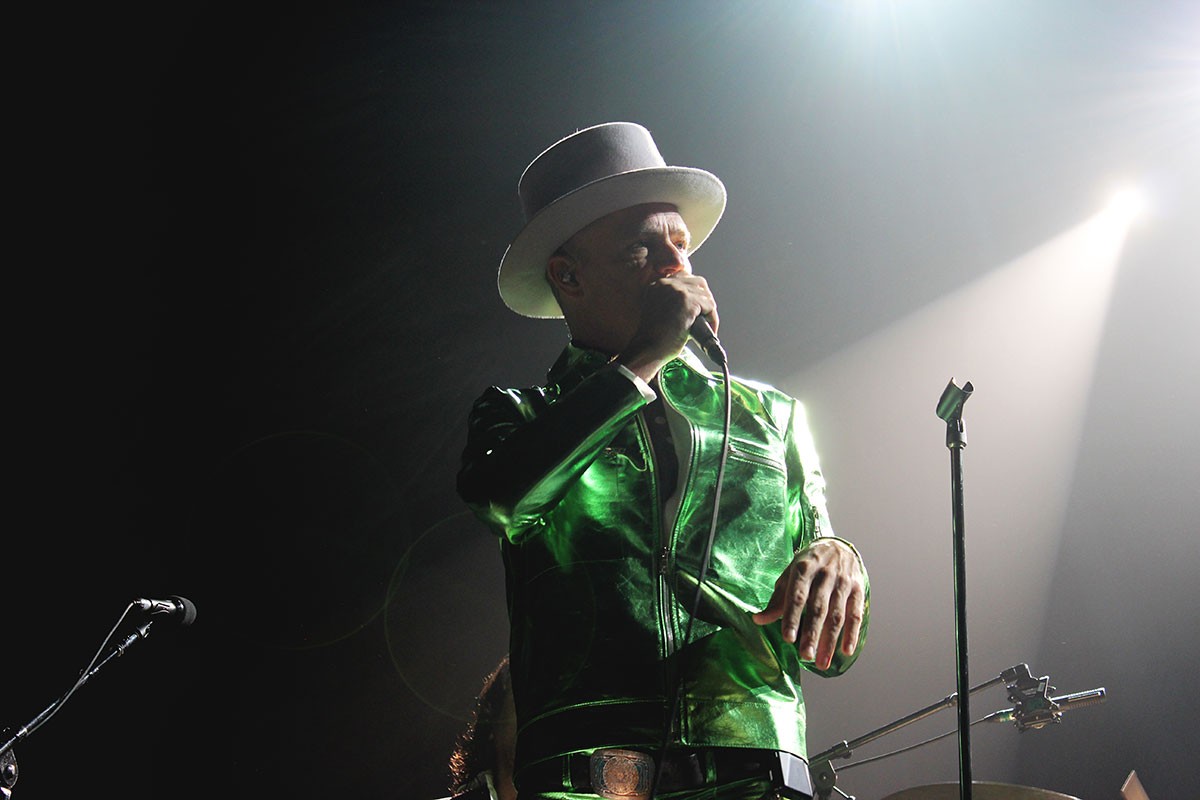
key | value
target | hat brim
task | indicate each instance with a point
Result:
(698, 195)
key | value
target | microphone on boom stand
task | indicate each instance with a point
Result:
(174, 607)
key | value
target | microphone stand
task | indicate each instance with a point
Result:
(1033, 708)
(8, 776)
(824, 777)
(949, 410)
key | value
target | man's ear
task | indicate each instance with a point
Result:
(560, 271)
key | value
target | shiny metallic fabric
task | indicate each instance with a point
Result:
(602, 576)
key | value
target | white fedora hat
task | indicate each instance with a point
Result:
(582, 178)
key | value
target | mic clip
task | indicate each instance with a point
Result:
(1032, 705)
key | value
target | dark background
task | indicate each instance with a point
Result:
(252, 255)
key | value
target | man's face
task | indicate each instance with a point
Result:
(615, 258)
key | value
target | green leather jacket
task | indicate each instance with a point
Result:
(601, 576)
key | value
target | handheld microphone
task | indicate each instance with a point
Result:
(173, 606)
(703, 333)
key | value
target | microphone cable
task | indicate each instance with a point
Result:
(677, 694)
(45, 716)
(189, 614)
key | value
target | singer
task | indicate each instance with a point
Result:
(631, 672)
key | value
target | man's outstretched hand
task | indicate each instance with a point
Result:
(824, 589)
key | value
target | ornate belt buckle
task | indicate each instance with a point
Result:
(622, 774)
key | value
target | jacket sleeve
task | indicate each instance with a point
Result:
(810, 516)
(526, 448)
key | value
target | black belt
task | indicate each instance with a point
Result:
(626, 773)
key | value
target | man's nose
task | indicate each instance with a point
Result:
(671, 260)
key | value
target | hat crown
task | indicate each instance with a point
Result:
(584, 157)
(580, 179)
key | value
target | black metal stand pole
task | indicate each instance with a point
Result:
(949, 409)
(141, 633)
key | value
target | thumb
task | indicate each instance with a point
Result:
(773, 611)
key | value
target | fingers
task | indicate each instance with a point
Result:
(819, 618)
(694, 297)
(714, 320)
(774, 609)
(827, 634)
(855, 614)
(789, 601)
(805, 602)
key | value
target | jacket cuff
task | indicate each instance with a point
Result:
(649, 394)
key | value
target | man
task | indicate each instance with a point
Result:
(649, 657)
(481, 766)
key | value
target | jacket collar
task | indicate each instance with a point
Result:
(576, 363)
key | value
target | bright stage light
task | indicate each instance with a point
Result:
(1027, 336)
(1127, 204)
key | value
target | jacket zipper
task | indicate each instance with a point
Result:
(757, 458)
(684, 480)
(662, 560)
